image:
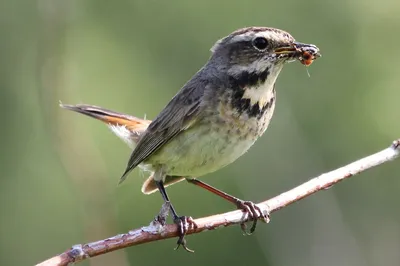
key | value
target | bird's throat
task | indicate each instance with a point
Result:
(254, 93)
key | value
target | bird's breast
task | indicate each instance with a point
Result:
(233, 119)
(220, 137)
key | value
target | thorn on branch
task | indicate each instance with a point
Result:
(76, 253)
(396, 144)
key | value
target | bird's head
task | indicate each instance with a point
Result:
(257, 50)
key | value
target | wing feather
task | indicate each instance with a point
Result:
(179, 114)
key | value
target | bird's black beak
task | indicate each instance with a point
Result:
(296, 48)
(286, 50)
(305, 53)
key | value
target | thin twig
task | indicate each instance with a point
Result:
(155, 231)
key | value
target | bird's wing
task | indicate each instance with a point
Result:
(180, 114)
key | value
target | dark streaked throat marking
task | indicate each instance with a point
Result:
(255, 81)
(252, 79)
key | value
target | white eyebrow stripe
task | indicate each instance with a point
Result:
(271, 34)
(248, 36)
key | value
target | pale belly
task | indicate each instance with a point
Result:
(202, 150)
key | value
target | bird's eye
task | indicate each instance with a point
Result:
(260, 43)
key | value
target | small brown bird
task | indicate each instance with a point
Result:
(214, 119)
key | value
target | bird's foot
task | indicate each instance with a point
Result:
(184, 224)
(254, 213)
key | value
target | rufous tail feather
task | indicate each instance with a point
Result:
(108, 116)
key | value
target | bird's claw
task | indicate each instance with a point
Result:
(184, 224)
(254, 213)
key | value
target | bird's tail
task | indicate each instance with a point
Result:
(135, 125)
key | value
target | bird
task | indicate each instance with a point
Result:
(213, 119)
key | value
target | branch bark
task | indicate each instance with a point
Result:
(155, 231)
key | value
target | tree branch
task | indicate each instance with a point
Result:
(155, 231)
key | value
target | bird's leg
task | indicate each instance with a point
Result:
(248, 207)
(183, 222)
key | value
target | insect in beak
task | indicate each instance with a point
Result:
(305, 53)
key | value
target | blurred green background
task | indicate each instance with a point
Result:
(59, 170)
